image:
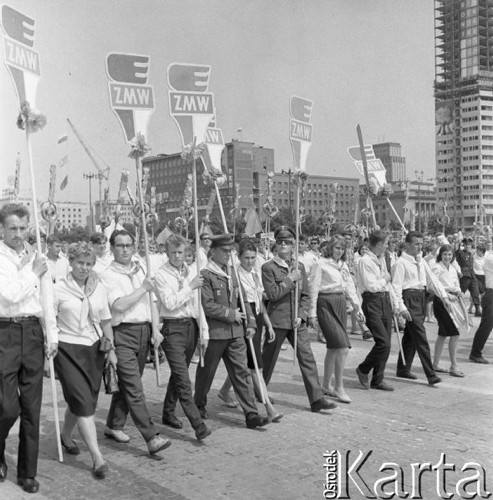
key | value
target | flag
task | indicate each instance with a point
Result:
(62, 138)
(63, 161)
(252, 223)
(64, 183)
(163, 235)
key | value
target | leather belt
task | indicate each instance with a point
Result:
(178, 320)
(414, 290)
(375, 293)
(19, 319)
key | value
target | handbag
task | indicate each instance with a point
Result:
(110, 379)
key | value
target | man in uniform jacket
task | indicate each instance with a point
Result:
(279, 279)
(226, 321)
(468, 280)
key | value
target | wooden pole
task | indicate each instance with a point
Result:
(197, 248)
(152, 305)
(367, 178)
(296, 258)
(43, 294)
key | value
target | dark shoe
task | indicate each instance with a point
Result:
(3, 471)
(100, 472)
(478, 359)
(322, 404)
(202, 431)
(363, 378)
(157, 444)
(256, 421)
(407, 375)
(70, 447)
(172, 421)
(28, 484)
(367, 335)
(203, 412)
(478, 312)
(434, 380)
(382, 386)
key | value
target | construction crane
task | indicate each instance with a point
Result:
(102, 167)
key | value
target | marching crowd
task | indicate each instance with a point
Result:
(90, 310)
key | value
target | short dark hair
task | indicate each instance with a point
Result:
(203, 236)
(13, 209)
(175, 241)
(53, 238)
(120, 232)
(79, 249)
(377, 237)
(303, 237)
(333, 241)
(97, 238)
(443, 249)
(413, 234)
(245, 246)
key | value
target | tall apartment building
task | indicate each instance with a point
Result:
(244, 164)
(464, 109)
(392, 159)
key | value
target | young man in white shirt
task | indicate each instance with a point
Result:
(410, 277)
(177, 287)
(57, 263)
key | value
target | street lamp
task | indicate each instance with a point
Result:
(419, 177)
(90, 176)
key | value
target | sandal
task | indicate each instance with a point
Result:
(456, 373)
(230, 403)
(440, 370)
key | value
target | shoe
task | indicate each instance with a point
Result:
(329, 392)
(28, 484)
(230, 403)
(478, 359)
(157, 444)
(100, 472)
(440, 370)
(342, 398)
(367, 335)
(407, 375)
(355, 332)
(456, 373)
(363, 378)
(256, 421)
(3, 470)
(478, 312)
(202, 431)
(118, 435)
(70, 447)
(203, 412)
(322, 404)
(382, 386)
(276, 418)
(172, 421)
(434, 380)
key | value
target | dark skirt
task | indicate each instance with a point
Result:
(332, 318)
(257, 339)
(446, 327)
(80, 370)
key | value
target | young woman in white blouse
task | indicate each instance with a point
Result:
(330, 285)
(447, 327)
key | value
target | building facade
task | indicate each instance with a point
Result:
(392, 159)
(464, 109)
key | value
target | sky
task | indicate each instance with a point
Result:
(367, 62)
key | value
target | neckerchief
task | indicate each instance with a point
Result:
(251, 279)
(180, 274)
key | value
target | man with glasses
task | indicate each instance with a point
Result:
(279, 277)
(128, 290)
(228, 325)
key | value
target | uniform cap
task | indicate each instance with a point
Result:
(284, 233)
(223, 241)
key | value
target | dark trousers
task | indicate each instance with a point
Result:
(304, 354)
(131, 347)
(21, 388)
(180, 341)
(378, 312)
(467, 283)
(414, 339)
(486, 325)
(233, 353)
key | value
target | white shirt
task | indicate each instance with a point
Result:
(372, 274)
(252, 284)
(308, 258)
(448, 277)
(408, 273)
(329, 276)
(102, 263)
(20, 290)
(478, 264)
(72, 309)
(120, 281)
(176, 298)
(58, 268)
(202, 258)
(488, 270)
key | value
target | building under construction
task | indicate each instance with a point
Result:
(464, 110)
